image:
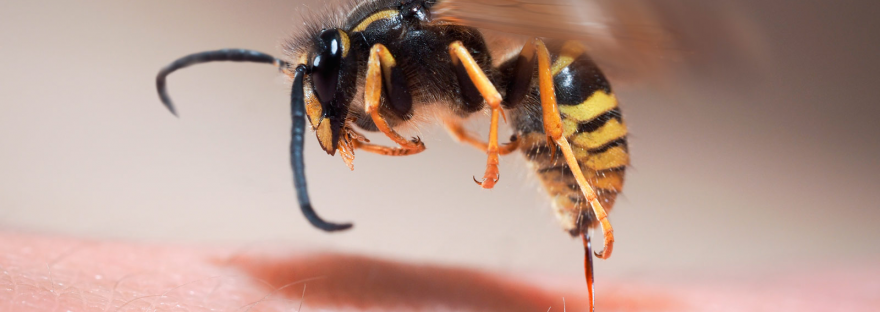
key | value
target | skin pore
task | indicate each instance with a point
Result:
(53, 273)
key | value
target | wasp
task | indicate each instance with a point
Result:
(381, 65)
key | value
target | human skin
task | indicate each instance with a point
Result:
(53, 273)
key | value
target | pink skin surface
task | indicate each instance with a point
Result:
(50, 273)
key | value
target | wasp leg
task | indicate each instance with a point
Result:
(385, 150)
(460, 55)
(382, 60)
(553, 129)
(351, 140)
(588, 269)
(457, 131)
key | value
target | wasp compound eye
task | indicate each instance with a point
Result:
(326, 64)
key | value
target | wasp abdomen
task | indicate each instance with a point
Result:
(593, 125)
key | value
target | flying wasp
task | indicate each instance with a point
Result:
(379, 65)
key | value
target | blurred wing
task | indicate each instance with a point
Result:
(627, 38)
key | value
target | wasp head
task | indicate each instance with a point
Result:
(330, 85)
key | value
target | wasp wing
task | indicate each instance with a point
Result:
(630, 39)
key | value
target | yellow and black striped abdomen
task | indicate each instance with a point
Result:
(593, 125)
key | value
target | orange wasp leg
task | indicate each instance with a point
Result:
(553, 129)
(351, 140)
(460, 55)
(458, 132)
(381, 59)
(385, 150)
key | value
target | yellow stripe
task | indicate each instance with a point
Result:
(612, 130)
(597, 104)
(316, 118)
(570, 51)
(345, 43)
(610, 181)
(388, 63)
(531, 139)
(313, 108)
(303, 59)
(375, 17)
(554, 180)
(566, 203)
(557, 183)
(569, 126)
(614, 157)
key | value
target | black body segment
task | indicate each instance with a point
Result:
(471, 99)
(599, 121)
(520, 75)
(397, 92)
(325, 66)
(578, 81)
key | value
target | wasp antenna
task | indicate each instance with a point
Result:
(234, 55)
(297, 134)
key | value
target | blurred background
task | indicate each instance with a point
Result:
(730, 173)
